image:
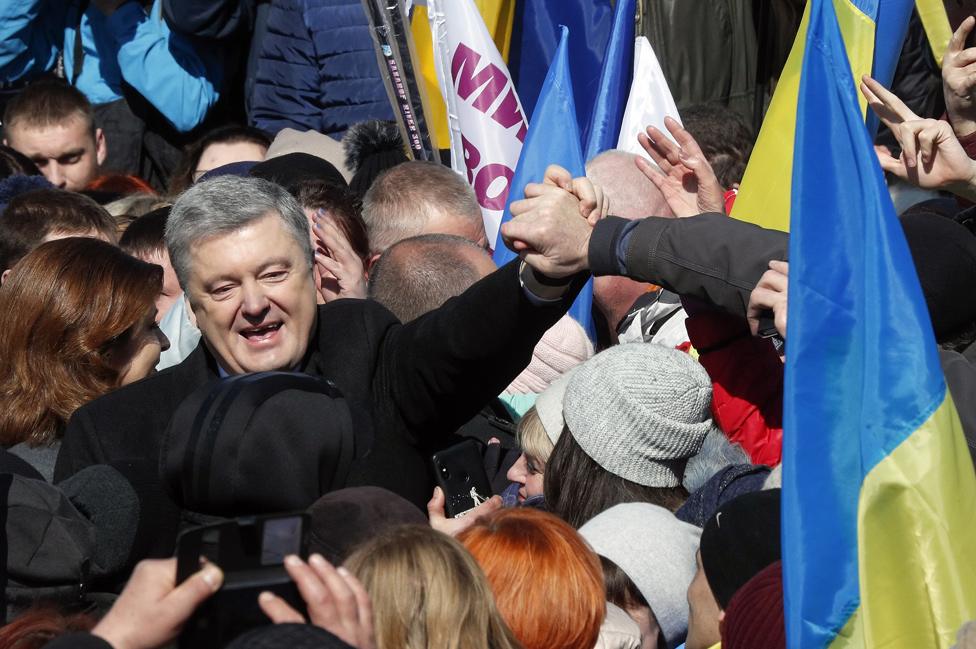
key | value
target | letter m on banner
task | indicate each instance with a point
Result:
(486, 120)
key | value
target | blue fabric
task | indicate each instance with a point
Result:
(553, 138)
(317, 69)
(30, 37)
(891, 25)
(13, 186)
(179, 79)
(534, 41)
(614, 85)
(861, 368)
(100, 78)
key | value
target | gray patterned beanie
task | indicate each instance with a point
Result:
(639, 410)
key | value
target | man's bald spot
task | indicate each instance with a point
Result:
(632, 195)
(417, 275)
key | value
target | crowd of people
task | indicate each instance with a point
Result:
(229, 301)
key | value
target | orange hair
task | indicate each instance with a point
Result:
(123, 184)
(40, 625)
(548, 583)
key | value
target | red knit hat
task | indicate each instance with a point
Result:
(754, 616)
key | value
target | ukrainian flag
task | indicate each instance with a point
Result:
(873, 32)
(879, 492)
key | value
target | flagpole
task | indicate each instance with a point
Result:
(391, 39)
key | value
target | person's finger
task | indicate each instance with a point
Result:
(435, 506)
(773, 280)
(338, 244)
(522, 206)
(780, 266)
(889, 99)
(958, 40)
(927, 143)
(186, 597)
(965, 59)
(651, 147)
(890, 164)
(905, 134)
(343, 600)
(585, 191)
(687, 142)
(762, 299)
(534, 190)
(312, 590)
(278, 610)
(664, 144)
(558, 176)
(652, 171)
(363, 603)
(330, 265)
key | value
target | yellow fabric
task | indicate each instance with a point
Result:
(917, 541)
(764, 197)
(936, 24)
(498, 16)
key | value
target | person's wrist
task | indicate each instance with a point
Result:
(107, 632)
(965, 186)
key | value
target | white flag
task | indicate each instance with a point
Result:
(485, 116)
(650, 99)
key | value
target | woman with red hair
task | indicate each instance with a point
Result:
(77, 320)
(547, 582)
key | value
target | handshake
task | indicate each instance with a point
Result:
(550, 228)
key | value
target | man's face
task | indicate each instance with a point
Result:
(704, 612)
(171, 284)
(68, 154)
(252, 293)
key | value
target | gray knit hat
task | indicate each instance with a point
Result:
(639, 410)
(657, 552)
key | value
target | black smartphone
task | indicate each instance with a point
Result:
(251, 553)
(460, 473)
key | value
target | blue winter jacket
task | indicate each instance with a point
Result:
(317, 69)
(30, 38)
(180, 80)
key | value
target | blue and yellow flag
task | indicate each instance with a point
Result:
(873, 32)
(553, 138)
(879, 492)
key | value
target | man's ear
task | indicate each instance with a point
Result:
(101, 149)
(371, 261)
(721, 620)
(3, 277)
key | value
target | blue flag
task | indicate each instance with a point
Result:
(614, 85)
(879, 498)
(536, 35)
(553, 138)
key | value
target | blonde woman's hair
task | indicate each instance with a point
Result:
(532, 437)
(428, 593)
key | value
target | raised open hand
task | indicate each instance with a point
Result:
(931, 156)
(959, 80)
(683, 174)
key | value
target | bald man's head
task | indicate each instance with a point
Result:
(631, 194)
(419, 274)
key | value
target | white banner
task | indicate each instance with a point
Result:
(484, 113)
(650, 99)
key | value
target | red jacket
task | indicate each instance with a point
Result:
(747, 383)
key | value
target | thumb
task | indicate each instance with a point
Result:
(435, 506)
(185, 598)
